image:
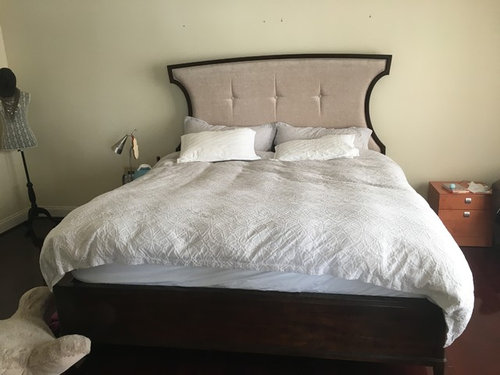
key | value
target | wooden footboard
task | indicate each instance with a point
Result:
(361, 328)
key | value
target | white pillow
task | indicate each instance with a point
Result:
(264, 134)
(324, 148)
(236, 144)
(286, 133)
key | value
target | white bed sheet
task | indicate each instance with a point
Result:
(150, 274)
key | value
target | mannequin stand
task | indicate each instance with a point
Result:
(34, 211)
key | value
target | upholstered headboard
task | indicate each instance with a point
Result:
(327, 90)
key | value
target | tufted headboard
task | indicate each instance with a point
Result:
(327, 90)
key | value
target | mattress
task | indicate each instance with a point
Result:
(147, 274)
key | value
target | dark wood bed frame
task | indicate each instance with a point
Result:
(328, 326)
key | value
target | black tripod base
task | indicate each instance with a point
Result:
(33, 213)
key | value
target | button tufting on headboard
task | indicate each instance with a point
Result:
(326, 90)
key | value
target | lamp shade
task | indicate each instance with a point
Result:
(118, 146)
(16, 134)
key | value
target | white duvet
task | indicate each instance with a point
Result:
(357, 219)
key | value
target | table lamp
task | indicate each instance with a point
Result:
(133, 152)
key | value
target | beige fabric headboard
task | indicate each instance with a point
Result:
(327, 90)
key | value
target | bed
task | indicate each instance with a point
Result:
(304, 92)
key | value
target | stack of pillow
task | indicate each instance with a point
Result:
(204, 142)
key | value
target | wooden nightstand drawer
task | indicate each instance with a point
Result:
(468, 217)
(465, 202)
(467, 224)
(469, 227)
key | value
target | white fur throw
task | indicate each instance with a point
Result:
(27, 345)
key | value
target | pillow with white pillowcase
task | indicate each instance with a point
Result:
(264, 134)
(236, 144)
(286, 133)
(324, 148)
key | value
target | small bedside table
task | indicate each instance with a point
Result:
(468, 217)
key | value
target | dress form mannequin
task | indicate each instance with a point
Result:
(17, 135)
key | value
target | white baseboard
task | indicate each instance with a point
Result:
(21, 216)
(12, 220)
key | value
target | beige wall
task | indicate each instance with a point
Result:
(96, 69)
(13, 201)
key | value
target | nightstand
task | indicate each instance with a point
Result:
(131, 175)
(467, 216)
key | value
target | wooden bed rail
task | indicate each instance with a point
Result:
(361, 328)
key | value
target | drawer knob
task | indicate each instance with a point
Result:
(466, 213)
(468, 200)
